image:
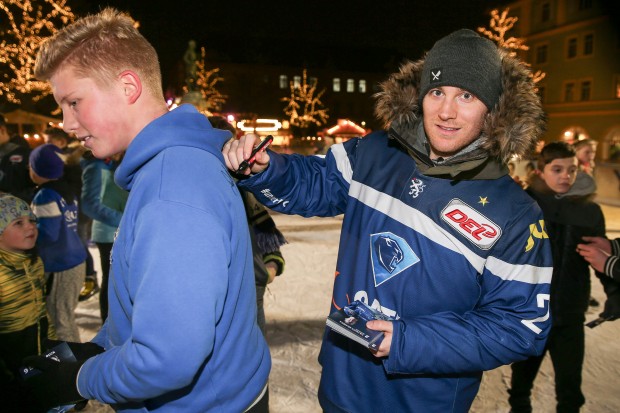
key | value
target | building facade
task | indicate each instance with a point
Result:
(257, 90)
(577, 44)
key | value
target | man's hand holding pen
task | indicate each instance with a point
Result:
(245, 156)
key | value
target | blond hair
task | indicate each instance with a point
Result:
(101, 47)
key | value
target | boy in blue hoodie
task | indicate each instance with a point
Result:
(64, 257)
(181, 333)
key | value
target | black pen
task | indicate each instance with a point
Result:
(250, 161)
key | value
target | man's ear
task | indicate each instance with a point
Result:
(132, 85)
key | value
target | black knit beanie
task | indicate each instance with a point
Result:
(465, 60)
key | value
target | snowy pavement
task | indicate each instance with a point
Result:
(297, 303)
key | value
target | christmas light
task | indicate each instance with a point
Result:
(304, 107)
(26, 26)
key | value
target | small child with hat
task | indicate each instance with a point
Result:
(56, 206)
(24, 324)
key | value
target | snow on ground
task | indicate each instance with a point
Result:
(298, 301)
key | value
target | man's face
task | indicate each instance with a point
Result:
(93, 113)
(453, 119)
(560, 174)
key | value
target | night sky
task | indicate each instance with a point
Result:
(359, 35)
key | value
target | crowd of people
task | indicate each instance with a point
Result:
(436, 235)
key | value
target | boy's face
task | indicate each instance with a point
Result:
(20, 235)
(453, 119)
(560, 174)
(95, 114)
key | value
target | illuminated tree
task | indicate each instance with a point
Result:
(499, 26)
(24, 24)
(304, 107)
(205, 84)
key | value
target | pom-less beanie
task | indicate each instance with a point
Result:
(465, 60)
(47, 161)
(12, 208)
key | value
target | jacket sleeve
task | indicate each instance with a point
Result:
(49, 217)
(510, 321)
(304, 185)
(91, 203)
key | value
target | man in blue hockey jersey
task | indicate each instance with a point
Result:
(436, 233)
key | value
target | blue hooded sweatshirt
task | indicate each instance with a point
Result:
(181, 335)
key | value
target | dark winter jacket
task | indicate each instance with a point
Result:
(14, 173)
(568, 219)
(612, 264)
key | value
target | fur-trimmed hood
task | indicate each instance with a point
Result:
(513, 127)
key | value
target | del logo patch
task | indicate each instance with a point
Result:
(390, 256)
(474, 226)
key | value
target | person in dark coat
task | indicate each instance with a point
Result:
(569, 216)
(14, 174)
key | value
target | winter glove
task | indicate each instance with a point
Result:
(56, 385)
(81, 351)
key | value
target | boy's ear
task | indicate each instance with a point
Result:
(131, 84)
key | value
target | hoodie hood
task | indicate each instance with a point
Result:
(183, 126)
(512, 128)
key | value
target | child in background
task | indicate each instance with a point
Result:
(24, 324)
(586, 152)
(568, 218)
(60, 246)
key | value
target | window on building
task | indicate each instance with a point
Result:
(545, 15)
(350, 85)
(283, 81)
(569, 92)
(585, 4)
(542, 92)
(296, 81)
(313, 81)
(617, 84)
(361, 86)
(588, 44)
(541, 54)
(586, 87)
(571, 50)
(336, 84)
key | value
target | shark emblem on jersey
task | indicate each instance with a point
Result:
(390, 255)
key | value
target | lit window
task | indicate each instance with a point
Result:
(296, 81)
(569, 91)
(586, 87)
(361, 87)
(588, 44)
(541, 54)
(336, 84)
(546, 12)
(350, 85)
(283, 81)
(617, 94)
(571, 51)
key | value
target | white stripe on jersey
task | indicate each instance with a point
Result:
(49, 210)
(342, 162)
(416, 220)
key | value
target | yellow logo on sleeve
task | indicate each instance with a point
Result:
(535, 232)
